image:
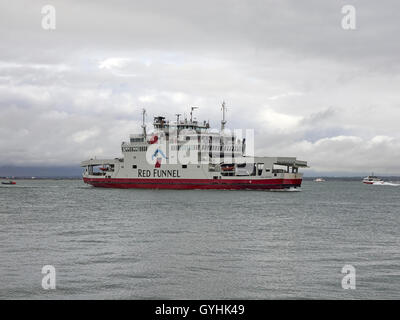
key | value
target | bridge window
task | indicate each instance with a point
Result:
(260, 167)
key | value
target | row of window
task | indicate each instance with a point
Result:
(206, 147)
(184, 166)
(134, 149)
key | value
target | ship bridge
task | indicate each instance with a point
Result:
(291, 161)
(160, 124)
(277, 165)
(260, 166)
(100, 167)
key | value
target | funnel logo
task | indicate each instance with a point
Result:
(158, 154)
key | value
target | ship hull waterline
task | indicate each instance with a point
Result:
(191, 184)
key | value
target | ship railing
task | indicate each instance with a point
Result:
(278, 171)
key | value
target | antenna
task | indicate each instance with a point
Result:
(177, 123)
(144, 122)
(223, 121)
(191, 113)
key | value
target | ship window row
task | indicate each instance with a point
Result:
(206, 148)
(134, 149)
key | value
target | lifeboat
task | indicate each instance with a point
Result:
(227, 167)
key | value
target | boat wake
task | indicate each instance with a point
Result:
(386, 184)
(286, 190)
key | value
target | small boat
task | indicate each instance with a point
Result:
(372, 180)
(8, 182)
(319, 180)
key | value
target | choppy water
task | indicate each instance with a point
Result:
(147, 244)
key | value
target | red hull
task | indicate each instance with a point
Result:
(185, 184)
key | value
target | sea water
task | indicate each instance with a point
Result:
(199, 244)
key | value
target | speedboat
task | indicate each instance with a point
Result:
(372, 180)
(8, 182)
(319, 180)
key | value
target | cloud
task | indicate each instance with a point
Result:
(284, 95)
(347, 154)
(84, 135)
(279, 121)
(111, 63)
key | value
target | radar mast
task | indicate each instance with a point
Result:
(144, 122)
(191, 113)
(223, 121)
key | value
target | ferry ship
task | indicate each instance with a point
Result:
(372, 180)
(187, 154)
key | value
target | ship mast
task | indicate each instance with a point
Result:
(177, 123)
(191, 113)
(223, 121)
(144, 123)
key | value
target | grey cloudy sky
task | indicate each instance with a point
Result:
(286, 68)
